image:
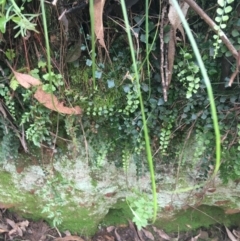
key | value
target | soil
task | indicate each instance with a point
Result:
(14, 227)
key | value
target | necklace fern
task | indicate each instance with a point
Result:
(223, 15)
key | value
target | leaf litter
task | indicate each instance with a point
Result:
(13, 227)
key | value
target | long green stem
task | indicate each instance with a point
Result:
(208, 85)
(47, 46)
(146, 136)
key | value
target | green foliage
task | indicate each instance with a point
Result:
(9, 142)
(10, 54)
(165, 135)
(188, 72)
(230, 168)
(119, 103)
(54, 198)
(53, 81)
(223, 16)
(126, 157)
(141, 209)
(22, 21)
(38, 129)
(8, 99)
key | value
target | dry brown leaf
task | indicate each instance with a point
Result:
(98, 21)
(140, 234)
(236, 233)
(230, 235)
(211, 189)
(6, 205)
(175, 19)
(51, 102)
(17, 228)
(48, 100)
(69, 238)
(161, 233)
(11, 223)
(108, 238)
(175, 22)
(148, 234)
(26, 80)
(117, 235)
(232, 211)
(110, 229)
(3, 228)
(196, 237)
(131, 225)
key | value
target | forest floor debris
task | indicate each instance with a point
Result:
(14, 227)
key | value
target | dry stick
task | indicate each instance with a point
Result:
(235, 73)
(163, 76)
(212, 25)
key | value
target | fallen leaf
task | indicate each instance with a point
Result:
(175, 20)
(232, 211)
(148, 234)
(48, 100)
(98, 21)
(161, 233)
(230, 235)
(51, 102)
(110, 229)
(3, 228)
(131, 225)
(26, 80)
(140, 234)
(236, 233)
(108, 238)
(6, 205)
(69, 238)
(117, 235)
(11, 223)
(196, 237)
(17, 228)
(212, 189)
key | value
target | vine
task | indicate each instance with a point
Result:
(188, 72)
(223, 16)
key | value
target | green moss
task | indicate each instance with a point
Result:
(79, 221)
(183, 221)
(75, 219)
(120, 213)
(192, 218)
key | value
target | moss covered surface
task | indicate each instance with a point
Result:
(75, 218)
(86, 201)
(119, 214)
(203, 216)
